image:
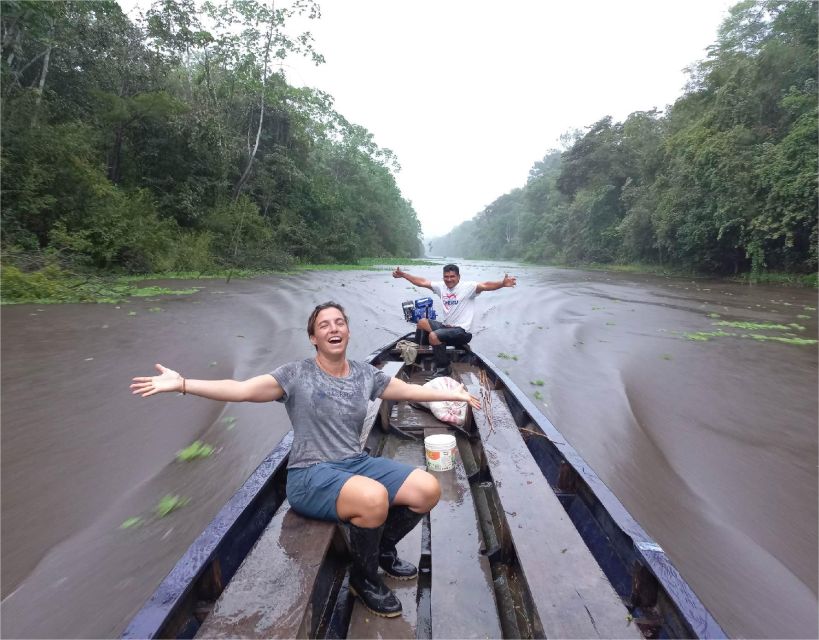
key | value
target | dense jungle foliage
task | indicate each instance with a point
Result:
(724, 181)
(175, 143)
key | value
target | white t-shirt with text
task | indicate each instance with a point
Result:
(459, 302)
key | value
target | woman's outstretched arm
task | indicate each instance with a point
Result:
(264, 388)
(399, 390)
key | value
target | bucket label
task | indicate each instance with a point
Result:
(440, 453)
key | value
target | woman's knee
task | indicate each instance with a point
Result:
(375, 500)
(428, 490)
(434, 493)
(363, 501)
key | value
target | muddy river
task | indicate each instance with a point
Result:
(711, 443)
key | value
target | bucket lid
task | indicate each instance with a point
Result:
(440, 440)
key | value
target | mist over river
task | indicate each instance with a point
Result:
(710, 444)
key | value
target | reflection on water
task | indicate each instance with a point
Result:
(711, 445)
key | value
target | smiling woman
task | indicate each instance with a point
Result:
(378, 500)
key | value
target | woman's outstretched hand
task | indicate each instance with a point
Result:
(468, 397)
(168, 380)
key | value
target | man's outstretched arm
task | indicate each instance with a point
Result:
(508, 281)
(418, 282)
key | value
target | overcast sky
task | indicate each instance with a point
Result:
(470, 94)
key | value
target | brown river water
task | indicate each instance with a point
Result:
(711, 445)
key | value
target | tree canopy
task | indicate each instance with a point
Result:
(175, 143)
(723, 181)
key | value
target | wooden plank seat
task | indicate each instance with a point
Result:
(569, 592)
(274, 593)
(414, 419)
(271, 593)
(426, 350)
(364, 624)
(462, 596)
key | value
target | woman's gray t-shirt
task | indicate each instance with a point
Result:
(327, 413)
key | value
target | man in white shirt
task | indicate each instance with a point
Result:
(458, 299)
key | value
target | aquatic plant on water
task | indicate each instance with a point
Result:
(196, 449)
(169, 503)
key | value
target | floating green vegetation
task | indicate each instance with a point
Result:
(666, 356)
(763, 338)
(229, 422)
(793, 279)
(759, 325)
(809, 308)
(130, 523)
(197, 449)
(537, 383)
(169, 503)
(705, 336)
(145, 292)
(507, 356)
(714, 315)
(802, 316)
(54, 285)
(538, 395)
(155, 309)
(611, 324)
(179, 275)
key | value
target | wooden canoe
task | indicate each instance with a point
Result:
(526, 542)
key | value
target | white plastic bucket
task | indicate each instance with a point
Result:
(440, 452)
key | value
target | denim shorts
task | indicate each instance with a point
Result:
(455, 336)
(313, 491)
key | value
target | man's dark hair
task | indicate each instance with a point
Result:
(311, 322)
(452, 267)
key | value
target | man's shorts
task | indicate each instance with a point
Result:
(455, 336)
(313, 491)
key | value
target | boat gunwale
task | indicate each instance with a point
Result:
(645, 547)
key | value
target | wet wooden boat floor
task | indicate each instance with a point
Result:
(454, 596)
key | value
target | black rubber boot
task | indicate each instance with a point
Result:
(400, 521)
(364, 579)
(439, 355)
